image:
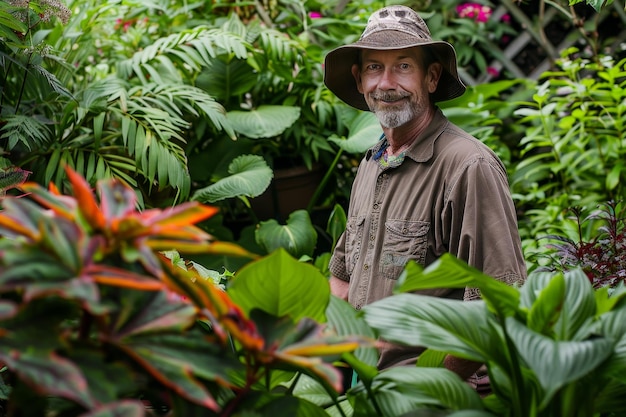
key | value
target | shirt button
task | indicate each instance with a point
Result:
(376, 206)
(358, 307)
(366, 267)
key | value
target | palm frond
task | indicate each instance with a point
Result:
(52, 81)
(192, 48)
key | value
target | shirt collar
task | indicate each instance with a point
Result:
(423, 148)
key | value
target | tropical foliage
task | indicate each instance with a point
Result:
(96, 320)
(553, 347)
(132, 300)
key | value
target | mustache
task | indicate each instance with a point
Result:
(388, 95)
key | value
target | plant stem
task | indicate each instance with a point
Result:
(324, 181)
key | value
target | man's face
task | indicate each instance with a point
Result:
(395, 84)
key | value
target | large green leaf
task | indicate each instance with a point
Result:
(266, 121)
(462, 328)
(280, 285)
(345, 320)
(557, 363)
(224, 80)
(548, 306)
(249, 176)
(365, 131)
(450, 272)
(613, 325)
(578, 301)
(402, 390)
(298, 236)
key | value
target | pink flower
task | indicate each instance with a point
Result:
(315, 15)
(493, 71)
(475, 11)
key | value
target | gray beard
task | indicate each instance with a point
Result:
(394, 118)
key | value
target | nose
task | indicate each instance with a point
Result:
(387, 80)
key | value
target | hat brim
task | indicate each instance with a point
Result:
(338, 66)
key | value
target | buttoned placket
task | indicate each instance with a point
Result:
(368, 267)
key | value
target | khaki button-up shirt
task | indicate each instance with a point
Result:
(450, 194)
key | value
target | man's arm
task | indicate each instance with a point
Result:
(339, 287)
(462, 367)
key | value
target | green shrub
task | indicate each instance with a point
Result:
(572, 148)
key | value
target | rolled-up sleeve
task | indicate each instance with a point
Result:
(480, 223)
(337, 265)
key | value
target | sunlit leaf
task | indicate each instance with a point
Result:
(281, 286)
(266, 121)
(298, 236)
(365, 131)
(249, 176)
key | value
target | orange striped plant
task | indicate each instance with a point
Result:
(96, 320)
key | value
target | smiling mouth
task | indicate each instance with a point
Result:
(388, 98)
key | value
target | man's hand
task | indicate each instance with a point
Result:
(462, 367)
(339, 288)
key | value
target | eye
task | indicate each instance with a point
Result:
(404, 66)
(372, 67)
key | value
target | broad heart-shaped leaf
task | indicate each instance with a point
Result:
(579, 304)
(224, 80)
(450, 272)
(557, 363)
(298, 236)
(462, 328)
(403, 389)
(281, 286)
(249, 176)
(266, 121)
(365, 131)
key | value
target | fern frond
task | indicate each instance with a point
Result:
(28, 130)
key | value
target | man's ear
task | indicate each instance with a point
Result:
(356, 73)
(433, 76)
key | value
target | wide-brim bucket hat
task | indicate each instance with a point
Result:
(392, 27)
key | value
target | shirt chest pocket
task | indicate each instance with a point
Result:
(404, 240)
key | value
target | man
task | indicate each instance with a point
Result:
(427, 187)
